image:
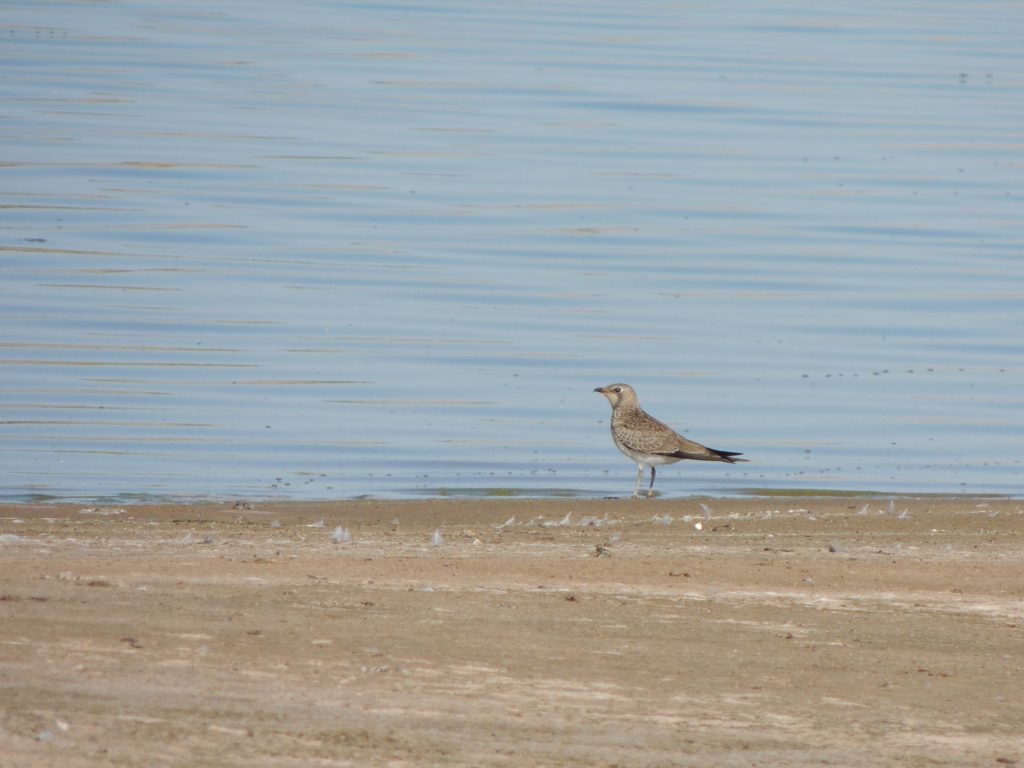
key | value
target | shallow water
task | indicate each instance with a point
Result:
(334, 250)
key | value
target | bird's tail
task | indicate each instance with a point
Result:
(729, 456)
(703, 453)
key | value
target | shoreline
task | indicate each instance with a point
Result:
(502, 495)
(835, 503)
(791, 631)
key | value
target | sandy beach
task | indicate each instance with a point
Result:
(765, 631)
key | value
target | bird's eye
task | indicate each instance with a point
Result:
(617, 389)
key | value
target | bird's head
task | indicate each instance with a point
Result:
(618, 394)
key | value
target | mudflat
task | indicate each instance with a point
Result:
(506, 632)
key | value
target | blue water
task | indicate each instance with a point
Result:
(328, 250)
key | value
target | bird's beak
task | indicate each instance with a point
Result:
(599, 389)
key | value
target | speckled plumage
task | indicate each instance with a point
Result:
(649, 442)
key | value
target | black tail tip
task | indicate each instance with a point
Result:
(729, 456)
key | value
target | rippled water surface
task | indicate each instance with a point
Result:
(325, 250)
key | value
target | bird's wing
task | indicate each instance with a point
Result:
(685, 449)
(688, 449)
(645, 434)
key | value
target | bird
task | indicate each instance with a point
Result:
(649, 442)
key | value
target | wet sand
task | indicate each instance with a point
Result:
(780, 632)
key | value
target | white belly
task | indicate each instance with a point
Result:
(648, 459)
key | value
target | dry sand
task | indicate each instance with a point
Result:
(782, 632)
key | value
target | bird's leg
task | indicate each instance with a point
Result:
(639, 479)
(650, 488)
